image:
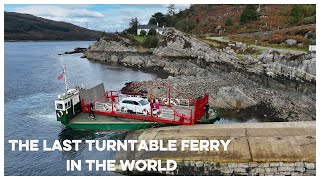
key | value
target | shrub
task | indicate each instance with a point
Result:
(151, 42)
(152, 32)
(312, 42)
(143, 33)
(228, 21)
(309, 20)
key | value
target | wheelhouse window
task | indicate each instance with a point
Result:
(59, 106)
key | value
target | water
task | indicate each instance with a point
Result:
(30, 88)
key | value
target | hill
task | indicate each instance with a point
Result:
(211, 19)
(28, 27)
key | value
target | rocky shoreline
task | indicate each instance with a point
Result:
(272, 85)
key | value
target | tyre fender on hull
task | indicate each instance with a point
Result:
(105, 107)
(115, 107)
(60, 114)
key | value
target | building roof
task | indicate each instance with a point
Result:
(148, 27)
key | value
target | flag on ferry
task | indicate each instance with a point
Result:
(60, 77)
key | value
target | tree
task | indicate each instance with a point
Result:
(152, 32)
(308, 10)
(186, 25)
(133, 26)
(296, 13)
(143, 33)
(158, 18)
(249, 14)
(171, 21)
(171, 9)
(228, 21)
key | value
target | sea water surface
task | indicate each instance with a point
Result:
(30, 88)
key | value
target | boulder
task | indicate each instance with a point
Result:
(248, 58)
(114, 59)
(269, 56)
(244, 46)
(232, 98)
(291, 42)
(239, 44)
(300, 44)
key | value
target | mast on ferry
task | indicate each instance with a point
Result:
(65, 79)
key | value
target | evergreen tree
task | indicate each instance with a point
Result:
(229, 21)
(249, 14)
(158, 18)
(171, 21)
(171, 9)
(133, 26)
(296, 13)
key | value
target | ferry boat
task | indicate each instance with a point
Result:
(127, 110)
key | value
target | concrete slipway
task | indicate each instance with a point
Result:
(252, 143)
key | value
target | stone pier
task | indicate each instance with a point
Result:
(276, 148)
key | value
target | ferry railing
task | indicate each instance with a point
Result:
(174, 101)
(164, 112)
(184, 115)
(179, 112)
(106, 107)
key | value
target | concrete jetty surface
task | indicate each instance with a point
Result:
(284, 143)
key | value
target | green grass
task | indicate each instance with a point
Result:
(212, 43)
(139, 38)
(240, 56)
(284, 47)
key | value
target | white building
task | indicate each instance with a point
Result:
(312, 48)
(147, 28)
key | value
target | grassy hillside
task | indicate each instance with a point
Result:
(28, 27)
(211, 19)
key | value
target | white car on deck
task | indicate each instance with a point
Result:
(135, 105)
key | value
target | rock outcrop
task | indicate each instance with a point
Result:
(295, 67)
(281, 83)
